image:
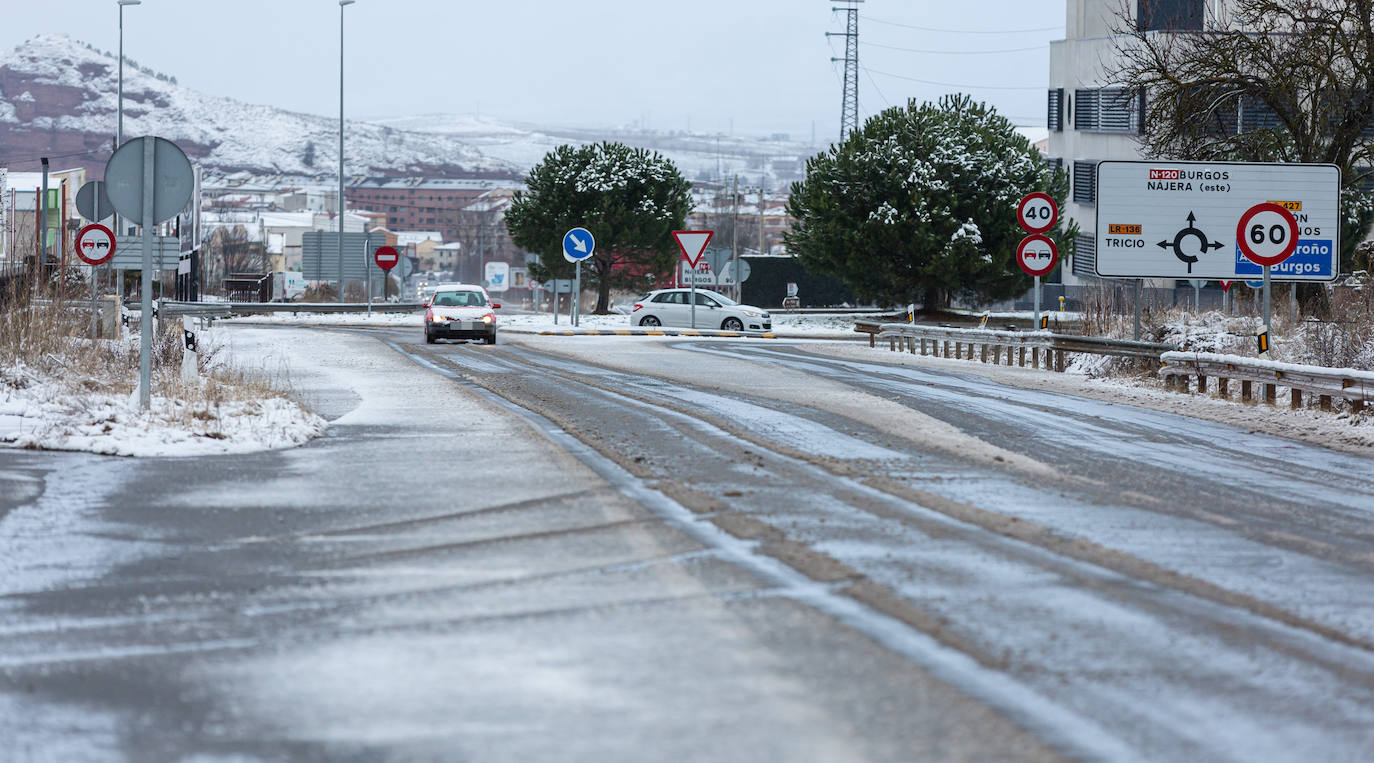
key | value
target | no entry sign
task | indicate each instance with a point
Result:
(95, 244)
(1037, 255)
(386, 257)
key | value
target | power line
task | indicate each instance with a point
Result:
(954, 84)
(957, 52)
(962, 31)
(849, 107)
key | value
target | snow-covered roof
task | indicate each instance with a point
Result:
(288, 219)
(407, 237)
(33, 181)
(453, 247)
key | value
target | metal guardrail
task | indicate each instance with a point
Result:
(226, 309)
(948, 341)
(1357, 387)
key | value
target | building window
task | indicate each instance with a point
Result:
(1119, 110)
(1085, 182)
(1169, 15)
(1056, 110)
(1085, 112)
(1085, 255)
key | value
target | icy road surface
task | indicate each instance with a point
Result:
(615, 548)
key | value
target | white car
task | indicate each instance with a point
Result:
(460, 311)
(673, 307)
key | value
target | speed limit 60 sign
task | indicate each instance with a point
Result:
(1217, 220)
(1267, 234)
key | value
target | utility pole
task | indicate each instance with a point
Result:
(734, 238)
(849, 108)
(763, 248)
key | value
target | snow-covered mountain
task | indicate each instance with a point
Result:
(777, 159)
(58, 98)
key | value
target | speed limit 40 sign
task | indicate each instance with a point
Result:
(1037, 212)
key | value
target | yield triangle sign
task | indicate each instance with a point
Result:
(693, 244)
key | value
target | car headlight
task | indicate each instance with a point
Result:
(488, 318)
(752, 314)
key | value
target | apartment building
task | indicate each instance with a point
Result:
(1091, 118)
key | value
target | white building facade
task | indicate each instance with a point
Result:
(1090, 117)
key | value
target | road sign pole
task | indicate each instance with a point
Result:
(694, 298)
(1138, 284)
(1197, 296)
(1267, 314)
(1293, 302)
(145, 319)
(1037, 303)
(367, 266)
(95, 317)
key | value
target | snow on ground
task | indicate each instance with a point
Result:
(1342, 430)
(44, 413)
(785, 324)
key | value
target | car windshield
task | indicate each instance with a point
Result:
(460, 299)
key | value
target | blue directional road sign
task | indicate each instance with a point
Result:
(578, 244)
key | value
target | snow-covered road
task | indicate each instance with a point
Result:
(662, 549)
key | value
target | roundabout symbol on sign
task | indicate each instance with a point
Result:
(1192, 231)
(1267, 234)
(1037, 255)
(95, 244)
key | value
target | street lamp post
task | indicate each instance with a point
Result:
(119, 106)
(342, 4)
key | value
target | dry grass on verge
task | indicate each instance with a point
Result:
(50, 344)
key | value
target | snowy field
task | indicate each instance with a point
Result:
(196, 418)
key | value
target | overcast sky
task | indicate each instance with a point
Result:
(753, 66)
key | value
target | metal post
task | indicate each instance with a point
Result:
(119, 107)
(1138, 284)
(42, 232)
(1036, 327)
(145, 319)
(554, 304)
(694, 298)
(1293, 302)
(95, 317)
(367, 265)
(342, 4)
(1197, 297)
(577, 292)
(1267, 314)
(734, 241)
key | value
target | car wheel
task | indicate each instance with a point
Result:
(491, 338)
(732, 324)
(649, 320)
(429, 338)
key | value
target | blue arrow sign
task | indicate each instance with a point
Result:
(578, 244)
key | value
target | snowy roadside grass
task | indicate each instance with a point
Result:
(61, 391)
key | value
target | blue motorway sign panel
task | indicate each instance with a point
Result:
(1313, 260)
(578, 244)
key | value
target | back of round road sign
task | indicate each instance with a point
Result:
(173, 179)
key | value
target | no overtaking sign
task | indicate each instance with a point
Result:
(1181, 219)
